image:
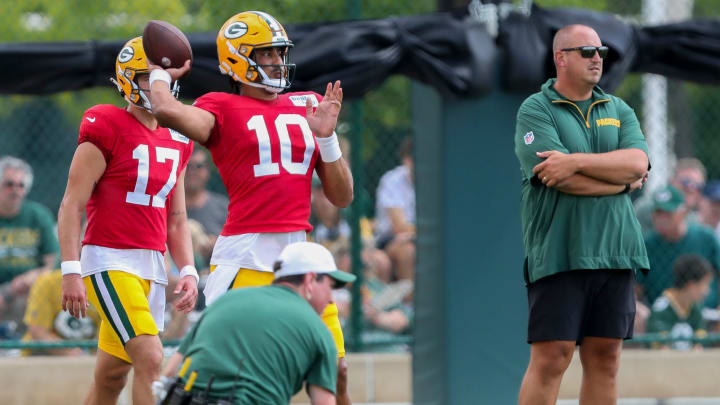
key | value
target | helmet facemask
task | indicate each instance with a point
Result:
(260, 75)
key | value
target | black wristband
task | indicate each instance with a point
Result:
(626, 189)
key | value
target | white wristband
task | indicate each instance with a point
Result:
(189, 270)
(159, 74)
(329, 148)
(70, 267)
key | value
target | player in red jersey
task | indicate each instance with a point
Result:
(128, 173)
(266, 146)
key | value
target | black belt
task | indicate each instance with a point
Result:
(182, 397)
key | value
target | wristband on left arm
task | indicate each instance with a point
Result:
(190, 270)
(329, 148)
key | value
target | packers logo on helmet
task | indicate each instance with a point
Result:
(131, 62)
(125, 54)
(236, 30)
(240, 37)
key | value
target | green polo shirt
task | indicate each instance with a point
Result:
(25, 239)
(260, 344)
(561, 231)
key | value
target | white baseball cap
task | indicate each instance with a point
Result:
(308, 257)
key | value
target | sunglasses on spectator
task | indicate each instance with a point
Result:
(687, 183)
(589, 51)
(11, 184)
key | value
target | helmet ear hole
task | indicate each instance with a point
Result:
(232, 60)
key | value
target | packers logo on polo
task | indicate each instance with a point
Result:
(126, 54)
(608, 121)
(236, 30)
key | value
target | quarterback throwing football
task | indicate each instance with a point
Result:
(266, 146)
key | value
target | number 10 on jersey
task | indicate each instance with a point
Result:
(266, 167)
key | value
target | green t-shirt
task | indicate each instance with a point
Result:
(25, 239)
(665, 318)
(699, 239)
(269, 337)
(561, 231)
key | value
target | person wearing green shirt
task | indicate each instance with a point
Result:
(258, 345)
(672, 236)
(678, 311)
(28, 245)
(581, 151)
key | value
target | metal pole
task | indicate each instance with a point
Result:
(658, 131)
(357, 210)
(655, 109)
(354, 9)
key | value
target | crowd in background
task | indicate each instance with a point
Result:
(30, 280)
(678, 298)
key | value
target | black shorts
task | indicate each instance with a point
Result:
(574, 304)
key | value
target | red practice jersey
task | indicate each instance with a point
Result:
(129, 205)
(265, 153)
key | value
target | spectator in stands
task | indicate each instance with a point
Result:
(333, 231)
(673, 235)
(678, 311)
(209, 209)
(689, 178)
(46, 321)
(28, 244)
(385, 305)
(710, 208)
(395, 214)
(690, 175)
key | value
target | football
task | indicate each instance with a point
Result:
(165, 45)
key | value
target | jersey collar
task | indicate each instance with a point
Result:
(548, 89)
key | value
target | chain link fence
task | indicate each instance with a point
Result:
(678, 119)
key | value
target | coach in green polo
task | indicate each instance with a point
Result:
(581, 151)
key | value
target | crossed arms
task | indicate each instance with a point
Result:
(593, 174)
(538, 145)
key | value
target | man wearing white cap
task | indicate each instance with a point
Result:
(260, 344)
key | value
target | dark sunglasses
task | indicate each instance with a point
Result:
(10, 184)
(688, 183)
(589, 51)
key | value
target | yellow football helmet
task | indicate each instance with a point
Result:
(237, 41)
(130, 63)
